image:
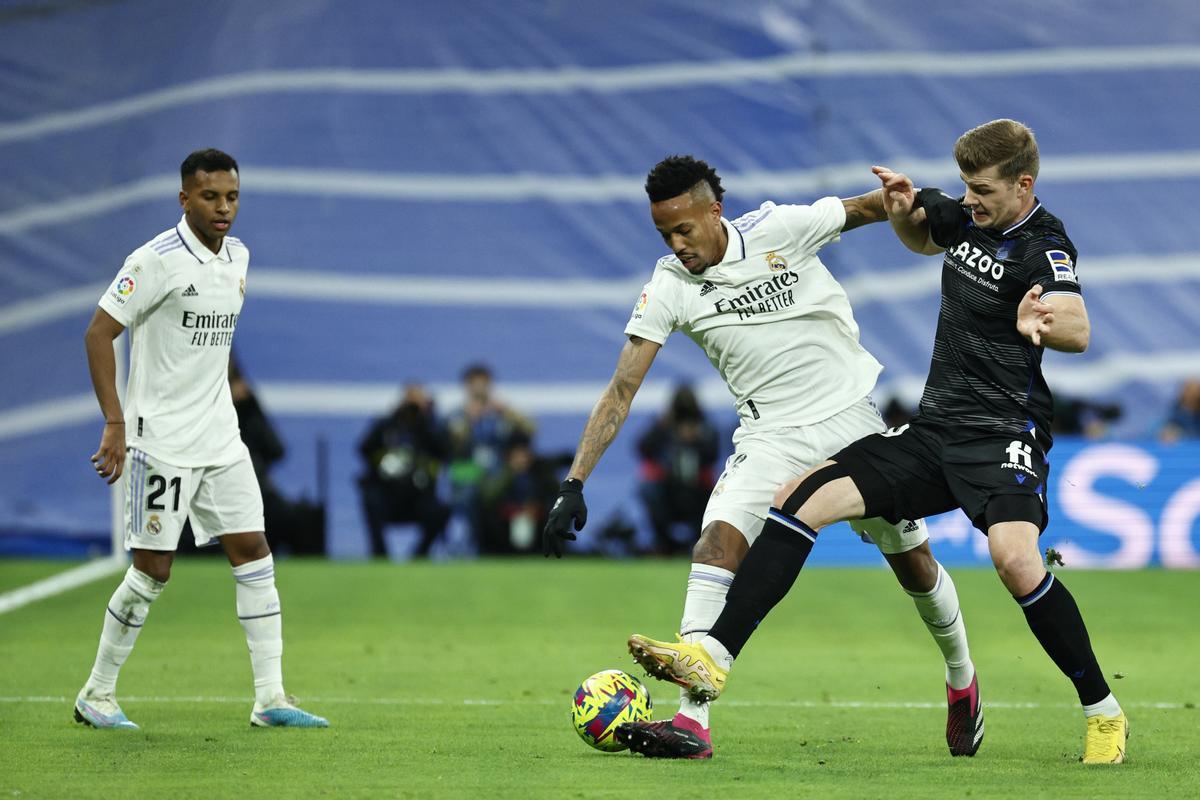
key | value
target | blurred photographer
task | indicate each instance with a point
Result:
(404, 453)
(678, 469)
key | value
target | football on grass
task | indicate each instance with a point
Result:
(604, 701)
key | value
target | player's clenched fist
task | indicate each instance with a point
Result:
(109, 460)
(568, 507)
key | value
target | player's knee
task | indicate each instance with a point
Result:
(242, 548)
(154, 565)
(720, 545)
(916, 570)
(1020, 572)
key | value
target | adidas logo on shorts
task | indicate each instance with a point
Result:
(190, 291)
(911, 527)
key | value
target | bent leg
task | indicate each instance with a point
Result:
(124, 617)
(823, 495)
(715, 559)
(1049, 608)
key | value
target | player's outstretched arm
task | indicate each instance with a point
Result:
(109, 460)
(612, 408)
(1059, 322)
(607, 417)
(863, 210)
(908, 221)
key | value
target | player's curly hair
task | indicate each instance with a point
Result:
(207, 160)
(675, 175)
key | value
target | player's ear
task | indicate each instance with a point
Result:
(715, 209)
(182, 198)
(1026, 183)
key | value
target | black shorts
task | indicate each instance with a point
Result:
(926, 468)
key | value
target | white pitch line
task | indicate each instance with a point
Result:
(864, 705)
(62, 582)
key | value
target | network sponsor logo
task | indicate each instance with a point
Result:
(1020, 457)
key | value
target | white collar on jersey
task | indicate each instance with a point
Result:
(1036, 205)
(735, 250)
(197, 247)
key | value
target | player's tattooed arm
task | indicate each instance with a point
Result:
(864, 209)
(612, 408)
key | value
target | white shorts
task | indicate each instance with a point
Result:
(160, 497)
(763, 461)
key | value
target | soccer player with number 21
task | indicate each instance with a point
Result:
(180, 295)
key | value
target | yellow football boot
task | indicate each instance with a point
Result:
(688, 665)
(1106, 737)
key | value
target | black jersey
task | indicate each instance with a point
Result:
(984, 374)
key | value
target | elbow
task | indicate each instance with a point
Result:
(1083, 338)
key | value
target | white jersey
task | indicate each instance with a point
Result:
(770, 317)
(181, 302)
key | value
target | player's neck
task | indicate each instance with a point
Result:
(212, 244)
(1022, 213)
(722, 243)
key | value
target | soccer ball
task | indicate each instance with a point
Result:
(604, 701)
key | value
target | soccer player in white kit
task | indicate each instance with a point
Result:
(180, 295)
(778, 327)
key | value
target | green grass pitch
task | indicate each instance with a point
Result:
(454, 680)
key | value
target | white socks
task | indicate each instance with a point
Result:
(259, 612)
(123, 620)
(706, 589)
(1109, 707)
(940, 612)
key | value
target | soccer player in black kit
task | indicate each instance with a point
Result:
(980, 437)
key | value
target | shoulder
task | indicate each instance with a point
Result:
(668, 269)
(1046, 234)
(752, 219)
(775, 225)
(236, 245)
(166, 242)
(149, 257)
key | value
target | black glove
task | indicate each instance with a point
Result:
(569, 506)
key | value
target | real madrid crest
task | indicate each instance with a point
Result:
(154, 525)
(776, 262)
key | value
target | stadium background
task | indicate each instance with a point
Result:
(432, 184)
